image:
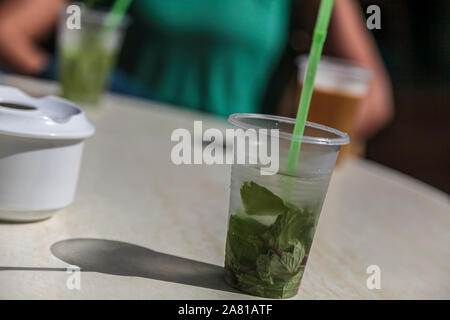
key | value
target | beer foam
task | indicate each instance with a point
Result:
(337, 75)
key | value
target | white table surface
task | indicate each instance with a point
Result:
(143, 227)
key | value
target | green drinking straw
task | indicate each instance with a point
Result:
(116, 14)
(320, 32)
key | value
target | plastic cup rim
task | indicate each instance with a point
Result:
(341, 137)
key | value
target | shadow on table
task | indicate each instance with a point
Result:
(126, 259)
(31, 269)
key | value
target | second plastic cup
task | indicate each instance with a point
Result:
(87, 55)
(339, 88)
(269, 238)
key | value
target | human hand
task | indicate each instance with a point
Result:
(376, 109)
(22, 24)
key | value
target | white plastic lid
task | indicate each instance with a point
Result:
(47, 117)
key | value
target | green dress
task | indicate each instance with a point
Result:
(210, 55)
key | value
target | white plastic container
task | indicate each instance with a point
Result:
(41, 144)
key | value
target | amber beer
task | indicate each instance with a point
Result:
(339, 89)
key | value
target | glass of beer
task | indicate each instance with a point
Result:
(339, 88)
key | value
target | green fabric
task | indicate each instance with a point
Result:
(210, 55)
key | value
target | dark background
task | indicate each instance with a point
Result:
(414, 44)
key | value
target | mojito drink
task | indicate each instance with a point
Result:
(268, 239)
(270, 231)
(87, 55)
(84, 71)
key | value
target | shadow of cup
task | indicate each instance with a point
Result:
(126, 259)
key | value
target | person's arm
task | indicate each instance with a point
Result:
(349, 38)
(22, 24)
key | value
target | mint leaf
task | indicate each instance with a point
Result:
(272, 266)
(243, 240)
(295, 224)
(263, 268)
(275, 277)
(265, 260)
(292, 260)
(251, 283)
(258, 200)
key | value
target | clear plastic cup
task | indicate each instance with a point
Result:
(269, 238)
(87, 55)
(339, 88)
